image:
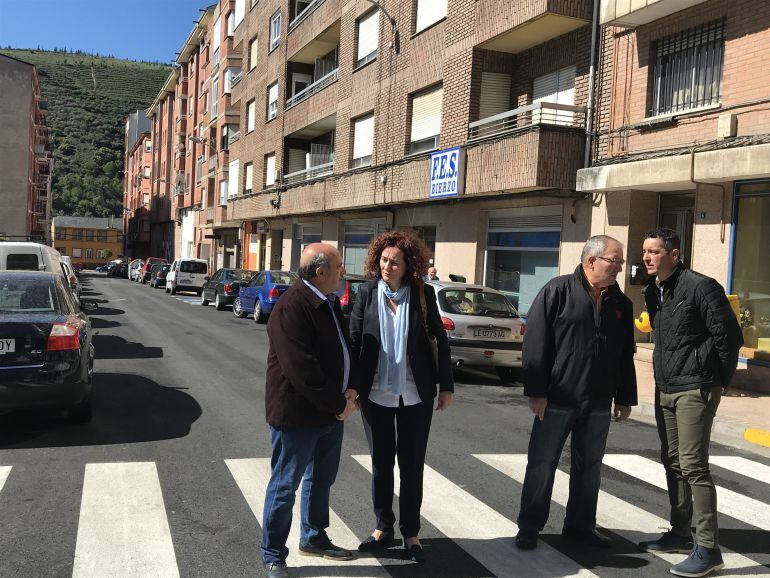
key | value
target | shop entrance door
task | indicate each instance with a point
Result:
(677, 211)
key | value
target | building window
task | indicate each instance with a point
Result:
(426, 120)
(77, 252)
(269, 170)
(101, 236)
(253, 52)
(146, 198)
(89, 235)
(147, 172)
(429, 12)
(363, 141)
(148, 146)
(61, 250)
(556, 87)
(251, 109)
(275, 30)
(231, 24)
(215, 96)
(272, 101)
(687, 69)
(249, 170)
(78, 234)
(232, 177)
(60, 235)
(750, 279)
(89, 253)
(223, 192)
(368, 37)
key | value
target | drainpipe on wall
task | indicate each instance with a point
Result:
(591, 84)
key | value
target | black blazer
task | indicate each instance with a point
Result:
(365, 342)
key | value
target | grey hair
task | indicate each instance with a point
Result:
(309, 269)
(596, 246)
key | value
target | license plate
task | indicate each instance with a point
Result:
(489, 332)
(7, 346)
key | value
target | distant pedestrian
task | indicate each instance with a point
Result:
(306, 400)
(432, 274)
(394, 322)
(578, 357)
(697, 338)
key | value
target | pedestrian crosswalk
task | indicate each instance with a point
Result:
(124, 527)
(190, 300)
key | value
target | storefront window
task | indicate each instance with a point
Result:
(751, 267)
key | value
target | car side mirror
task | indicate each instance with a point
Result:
(88, 305)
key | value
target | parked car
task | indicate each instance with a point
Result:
(46, 349)
(263, 291)
(483, 327)
(28, 256)
(133, 269)
(158, 275)
(187, 275)
(223, 286)
(101, 269)
(145, 269)
(117, 270)
(72, 278)
(348, 291)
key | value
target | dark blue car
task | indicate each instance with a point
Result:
(262, 292)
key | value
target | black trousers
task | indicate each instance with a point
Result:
(397, 432)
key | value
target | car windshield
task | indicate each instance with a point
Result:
(283, 277)
(193, 267)
(476, 302)
(27, 296)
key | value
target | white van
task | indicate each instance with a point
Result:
(187, 275)
(28, 256)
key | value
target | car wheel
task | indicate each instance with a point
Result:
(204, 301)
(218, 303)
(508, 374)
(237, 309)
(81, 413)
(259, 315)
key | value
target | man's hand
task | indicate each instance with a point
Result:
(445, 399)
(538, 405)
(350, 407)
(621, 412)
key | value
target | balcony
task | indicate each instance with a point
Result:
(212, 164)
(303, 9)
(233, 137)
(312, 172)
(310, 152)
(210, 214)
(526, 117)
(236, 78)
(632, 14)
(313, 88)
(313, 67)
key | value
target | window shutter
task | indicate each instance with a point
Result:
(426, 114)
(495, 94)
(363, 137)
(269, 170)
(232, 178)
(249, 176)
(253, 51)
(545, 88)
(250, 112)
(297, 160)
(566, 86)
(272, 93)
(429, 11)
(240, 11)
(556, 87)
(368, 34)
(217, 33)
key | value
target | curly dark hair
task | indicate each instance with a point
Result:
(415, 252)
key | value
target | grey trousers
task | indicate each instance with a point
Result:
(684, 425)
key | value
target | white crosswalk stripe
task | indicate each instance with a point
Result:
(4, 472)
(619, 516)
(252, 476)
(733, 504)
(743, 466)
(189, 300)
(123, 529)
(482, 532)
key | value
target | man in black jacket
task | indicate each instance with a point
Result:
(578, 357)
(697, 338)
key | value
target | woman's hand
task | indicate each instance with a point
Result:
(445, 399)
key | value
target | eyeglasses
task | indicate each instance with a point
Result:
(620, 262)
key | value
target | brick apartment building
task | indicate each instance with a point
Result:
(89, 241)
(137, 185)
(26, 162)
(684, 142)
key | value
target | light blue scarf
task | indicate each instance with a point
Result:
(392, 372)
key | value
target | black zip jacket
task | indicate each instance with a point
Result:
(696, 333)
(573, 352)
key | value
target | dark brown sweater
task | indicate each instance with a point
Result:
(305, 363)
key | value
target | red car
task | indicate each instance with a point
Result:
(145, 272)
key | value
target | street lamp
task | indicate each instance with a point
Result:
(393, 29)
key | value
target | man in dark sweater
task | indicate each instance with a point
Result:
(306, 400)
(578, 358)
(697, 338)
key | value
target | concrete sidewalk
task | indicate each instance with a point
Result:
(742, 415)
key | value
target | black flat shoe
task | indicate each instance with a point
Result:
(370, 544)
(415, 553)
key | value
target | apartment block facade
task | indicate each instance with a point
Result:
(89, 241)
(137, 185)
(26, 161)
(684, 142)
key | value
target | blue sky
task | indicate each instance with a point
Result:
(136, 29)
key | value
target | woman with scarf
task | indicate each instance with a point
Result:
(402, 352)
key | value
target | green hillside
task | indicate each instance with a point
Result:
(88, 100)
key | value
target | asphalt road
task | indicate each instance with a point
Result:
(167, 477)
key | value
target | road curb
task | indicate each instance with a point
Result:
(733, 430)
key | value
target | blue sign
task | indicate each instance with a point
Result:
(446, 173)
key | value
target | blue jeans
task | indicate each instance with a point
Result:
(589, 428)
(310, 455)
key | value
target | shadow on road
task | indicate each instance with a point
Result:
(127, 409)
(106, 310)
(98, 323)
(114, 347)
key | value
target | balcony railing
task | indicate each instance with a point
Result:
(233, 137)
(209, 214)
(304, 14)
(236, 79)
(309, 173)
(524, 117)
(213, 162)
(317, 86)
